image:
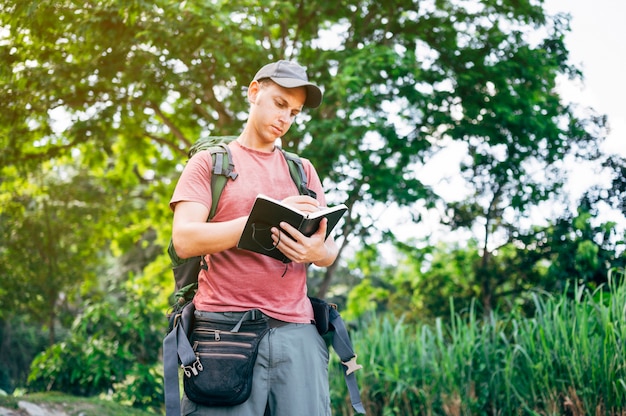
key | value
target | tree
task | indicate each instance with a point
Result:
(53, 229)
(52, 235)
(140, 81)
(580, 251)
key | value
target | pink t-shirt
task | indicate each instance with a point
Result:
(238, 280)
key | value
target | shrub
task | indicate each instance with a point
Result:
(111, 348)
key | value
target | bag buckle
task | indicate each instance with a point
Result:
(352, 365)
(194, 368)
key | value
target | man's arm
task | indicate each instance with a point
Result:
(193, 236)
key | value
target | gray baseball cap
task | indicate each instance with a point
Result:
(289, 74)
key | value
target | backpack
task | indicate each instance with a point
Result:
(176, 347)
(186, 270)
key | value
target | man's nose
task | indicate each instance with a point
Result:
(285, 116)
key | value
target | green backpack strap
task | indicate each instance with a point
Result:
(223, 170)
(223, 164)
(296, 170)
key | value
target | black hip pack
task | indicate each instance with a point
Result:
(226, 352)
(218, 368)
(321, 313)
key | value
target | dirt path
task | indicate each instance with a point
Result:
(32, 409)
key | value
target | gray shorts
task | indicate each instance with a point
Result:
(290, 377)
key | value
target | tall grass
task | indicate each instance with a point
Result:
(568, 358)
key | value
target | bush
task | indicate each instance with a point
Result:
(110, 349)
(20, 341)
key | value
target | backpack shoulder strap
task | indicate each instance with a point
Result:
(296, 170)
(223, 170)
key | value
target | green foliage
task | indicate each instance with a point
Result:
(20, 342)
(567, 358)
(45, 257)
(370, 291)
(123, 90)
(141, 388)
(615, 195)
(573, 251)
(112, 347)
(437, 274)
(578, 250)
(421, 280)
(575, 347)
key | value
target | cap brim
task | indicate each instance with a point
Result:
(313, 93)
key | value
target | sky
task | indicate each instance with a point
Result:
(596, 45)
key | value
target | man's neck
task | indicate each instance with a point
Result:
(252, 142)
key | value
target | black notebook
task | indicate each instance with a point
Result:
(268, 212)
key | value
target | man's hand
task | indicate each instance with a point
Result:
(302, 203)
(316, 249)
(300, 248)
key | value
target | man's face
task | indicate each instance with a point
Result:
(273, 108)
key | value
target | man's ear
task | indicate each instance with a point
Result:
(253, 90)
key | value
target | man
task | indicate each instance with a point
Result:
(291, 371)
